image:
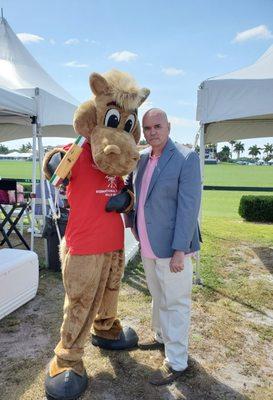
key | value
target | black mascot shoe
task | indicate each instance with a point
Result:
(127, 340)
(65, 386)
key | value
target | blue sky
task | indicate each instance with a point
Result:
(169, 47)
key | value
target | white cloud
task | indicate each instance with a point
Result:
(259, 32)
(124, 55)
(91, 41)
(183, 122)
(221, 55)
(72, 42)
(29, 38)
(75, 64)
(171, 71)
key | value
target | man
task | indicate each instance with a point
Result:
(167, 186)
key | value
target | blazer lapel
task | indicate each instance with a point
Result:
(164, 158)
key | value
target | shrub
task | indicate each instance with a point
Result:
(256, 208)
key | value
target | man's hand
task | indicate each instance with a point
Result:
(177, 261)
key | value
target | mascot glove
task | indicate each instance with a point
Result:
(121, 203)
(51, 163)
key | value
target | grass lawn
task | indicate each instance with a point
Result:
(238, 175)
(17, 169)
(231, 343)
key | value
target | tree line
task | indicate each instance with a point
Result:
(25, 148)
(238, 147)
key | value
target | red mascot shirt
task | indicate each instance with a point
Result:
(90, 229)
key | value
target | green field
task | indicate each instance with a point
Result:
(225, 174)
(215, 203)
(17, 169)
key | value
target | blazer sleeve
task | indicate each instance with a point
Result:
(188, 204)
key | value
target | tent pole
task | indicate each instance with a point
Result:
(33, 190)
(42, 185)
(197, 279)
(202, 160)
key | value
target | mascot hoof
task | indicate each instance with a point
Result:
(127, 340)
(65, 386)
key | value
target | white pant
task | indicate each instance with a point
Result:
(171, 294)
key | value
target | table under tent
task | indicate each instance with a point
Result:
(33, 105)
(237, 105)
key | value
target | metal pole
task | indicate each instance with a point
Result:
(41, 156)
(42, 185)
(197, 279)
(202, 163)
(33, 190)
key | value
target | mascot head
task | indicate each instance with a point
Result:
(110, 122)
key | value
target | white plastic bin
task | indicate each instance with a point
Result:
(19, 277)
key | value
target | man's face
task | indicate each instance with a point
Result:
(156, 129)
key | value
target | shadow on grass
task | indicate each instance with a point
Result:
(265, 254)
(129, 381)
(134, 275)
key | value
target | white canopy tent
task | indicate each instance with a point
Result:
(237, 105)
(32, 104)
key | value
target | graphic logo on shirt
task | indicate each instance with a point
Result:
(112, 184)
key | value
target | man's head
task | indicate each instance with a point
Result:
(156, 128)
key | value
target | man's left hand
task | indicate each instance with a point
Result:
(177, 261)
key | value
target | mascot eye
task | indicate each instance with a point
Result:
(129, 124)
(112, 118)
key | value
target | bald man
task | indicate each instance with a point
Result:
(167, 186)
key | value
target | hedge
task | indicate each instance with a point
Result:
(256, 208)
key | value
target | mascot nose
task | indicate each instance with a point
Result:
(111, 149)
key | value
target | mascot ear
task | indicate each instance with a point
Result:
(143, 94)
(137, 132)
(85, 119)
(98, 84)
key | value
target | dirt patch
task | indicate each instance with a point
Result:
(231, 347)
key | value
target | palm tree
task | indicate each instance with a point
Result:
(25, 148)
(3, 149)
(224, 154)
(254, 151)
(232, 143)
(238, 147)
(268, 150)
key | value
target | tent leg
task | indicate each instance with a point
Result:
(42, 184)
(197, 278)
(33, 190)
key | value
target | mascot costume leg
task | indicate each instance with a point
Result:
(92, 251)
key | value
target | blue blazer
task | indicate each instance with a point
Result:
(173, 200)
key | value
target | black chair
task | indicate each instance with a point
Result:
(6, 185)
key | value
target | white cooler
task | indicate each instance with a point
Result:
(19, 276)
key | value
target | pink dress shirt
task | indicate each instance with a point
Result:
(145, 245)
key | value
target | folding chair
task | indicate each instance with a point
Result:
(6, 185)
